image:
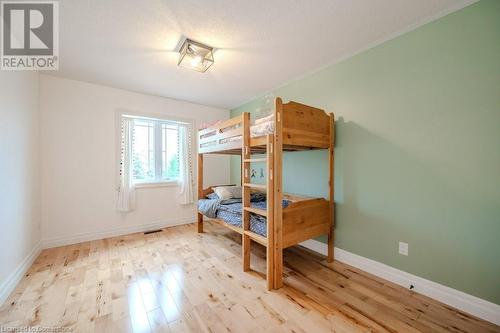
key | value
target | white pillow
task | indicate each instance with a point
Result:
(264, 119)
(228, 192)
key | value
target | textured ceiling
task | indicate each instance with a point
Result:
(130, 44)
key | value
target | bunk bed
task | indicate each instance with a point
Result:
(289, 219)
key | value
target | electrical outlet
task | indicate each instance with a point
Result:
(403, 248)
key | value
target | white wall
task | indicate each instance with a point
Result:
(78, 149)
(19, 176)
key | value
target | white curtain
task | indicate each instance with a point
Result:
(126, 190)
(185, 165)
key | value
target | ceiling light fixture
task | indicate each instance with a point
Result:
(195, 55)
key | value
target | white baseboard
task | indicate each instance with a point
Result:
(90, 236)
(13, 279)
(452, 297)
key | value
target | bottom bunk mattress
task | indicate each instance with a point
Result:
(230, 212)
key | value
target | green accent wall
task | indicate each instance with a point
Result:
(417, 157)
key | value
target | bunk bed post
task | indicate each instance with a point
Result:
(241, 163)
(200, 190)
(331, 181)
(245, 177)
(270, 212)
(277, 194)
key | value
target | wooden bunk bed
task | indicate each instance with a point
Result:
(297, 127)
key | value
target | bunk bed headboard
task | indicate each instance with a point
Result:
(303, 125)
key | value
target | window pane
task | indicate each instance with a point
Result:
(170, 152)
(143, 151)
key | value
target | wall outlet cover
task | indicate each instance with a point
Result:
(403, 248)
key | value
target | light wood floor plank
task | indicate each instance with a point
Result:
(180, 281)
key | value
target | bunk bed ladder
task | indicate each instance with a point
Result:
(247, 187)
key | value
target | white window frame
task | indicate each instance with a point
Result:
(158, 136)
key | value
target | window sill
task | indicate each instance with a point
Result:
(172, 183)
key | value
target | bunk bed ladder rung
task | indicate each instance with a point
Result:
(258, 186)
(258, 211)
(254, 160)
(256, 237)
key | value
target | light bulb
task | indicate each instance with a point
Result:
(196, 60)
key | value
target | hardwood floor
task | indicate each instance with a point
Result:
(181, 281)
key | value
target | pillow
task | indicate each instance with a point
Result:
(228, 192)
(212, 196)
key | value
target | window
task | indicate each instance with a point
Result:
(155, 150)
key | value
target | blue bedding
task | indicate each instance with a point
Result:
(230, 212)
